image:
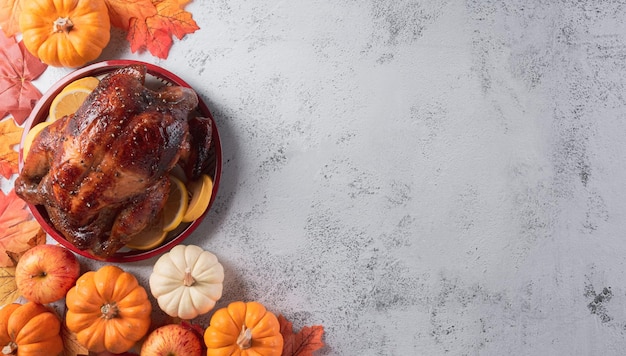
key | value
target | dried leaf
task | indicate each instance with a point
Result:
(11, 135)
(8, 288)
(9, 16)
(303, 343)
(122, 11)
(71, 346)
(18, 68)
(18, 230)
(154, 33)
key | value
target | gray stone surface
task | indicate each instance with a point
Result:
(420, 177)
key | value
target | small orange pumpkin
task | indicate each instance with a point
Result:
(66, 33)
(108, 310)
(29, 329)
(243, 329)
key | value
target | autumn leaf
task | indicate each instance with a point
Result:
(154, 33)
(11, 135)
(9, 16)
(122, 11)
(18, 230)
(303, 343)
(18, 68)
(8, 287)
(71, 346)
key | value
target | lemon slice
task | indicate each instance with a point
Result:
(30, 137)
(67, 102)
(150, 237)
(200, 191)
(176, 204)
(88, 83)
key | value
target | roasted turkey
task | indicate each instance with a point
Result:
(102, 173)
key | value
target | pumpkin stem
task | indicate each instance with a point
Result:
(244, 340)
(10, 348)
(188, 280)
(62, 24)
(109, 311)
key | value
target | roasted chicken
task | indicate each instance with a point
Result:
(102, 173)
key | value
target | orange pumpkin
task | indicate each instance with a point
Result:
(29, 329)
(108, 310)
(243, 329)
(66, 33)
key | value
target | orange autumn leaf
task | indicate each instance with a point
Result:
(155, 33)
(11, 135)
(9, 16)
(302, 343)
(122, 11)
(18, 230)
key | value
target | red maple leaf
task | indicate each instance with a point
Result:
(18, 230)
(154, 33)
(303, 343)
(18, 68)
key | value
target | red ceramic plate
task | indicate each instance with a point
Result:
(156, 76)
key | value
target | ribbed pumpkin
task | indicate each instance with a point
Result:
(244, 329)
(66, 33)
(108, 310)
(29, 329)
(187, 281)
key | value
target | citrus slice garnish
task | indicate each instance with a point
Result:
(67, 102)
(88, 83)
(30, 137)
(200, 191)
(150, 237)
(176, 204)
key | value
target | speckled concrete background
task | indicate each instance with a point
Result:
(420, 177)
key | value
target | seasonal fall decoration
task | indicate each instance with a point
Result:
(172, 340)
(108, 310)
(45, 273)
(245, 329)
(11, 136)
(18, 230)
(149, 24)
(29, 329)
(66, 33)
(18, 68)
(187, 281)
(302, 343)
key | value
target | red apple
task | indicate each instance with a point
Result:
(172, 340)
(45, 273)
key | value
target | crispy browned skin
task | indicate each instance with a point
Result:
(102, 172)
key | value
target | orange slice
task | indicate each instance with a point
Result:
(200, 191)
(150, 237)
(67, 102)
(89, 83)
(30, 136)
(176, 204)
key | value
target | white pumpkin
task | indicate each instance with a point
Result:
(187, 281)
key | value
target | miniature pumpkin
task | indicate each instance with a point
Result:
(243, 329)
(187, 281)
(29, 329)
(66, 33)
(108, 310)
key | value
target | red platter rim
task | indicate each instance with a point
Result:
(96, 69)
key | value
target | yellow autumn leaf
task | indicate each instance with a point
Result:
(8, 288)
(11, 135)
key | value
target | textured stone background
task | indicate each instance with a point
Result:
(420, 177)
